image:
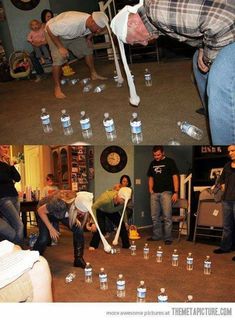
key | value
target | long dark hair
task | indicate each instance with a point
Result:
(43, 15)
(128, 179)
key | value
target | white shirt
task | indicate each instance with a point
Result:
(69, 25)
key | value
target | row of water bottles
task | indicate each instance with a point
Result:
(174, 259)
(108, 123)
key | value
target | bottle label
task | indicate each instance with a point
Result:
(175, 257)
(207, 264)
(133, 247)
(109, 126)
(147, 76)
(66, 122)
(190, 261)
(88, 272)
(85, 124)
(162, 298)
(103, 278)
(45, 119)
(159, 254)
(121, 284)
(141, 292)
(136, 127)
(146, 250)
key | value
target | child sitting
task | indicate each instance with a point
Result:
(37, 39)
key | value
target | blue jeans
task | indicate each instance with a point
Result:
(10, 208)
(219, 86)
(6, 231)
(229, 225)
(161, 205)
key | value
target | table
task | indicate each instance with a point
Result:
(27, 206)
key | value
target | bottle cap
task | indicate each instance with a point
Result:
(43, 109)
(134, 115)
(162, 290)
(82, 113)
(141, 282)
(63, 111)
(106, 114)
(101, 269)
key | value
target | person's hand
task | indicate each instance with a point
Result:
(54, 234)
(64, 52)
(175, 197)
(201, 64)
(93, 228)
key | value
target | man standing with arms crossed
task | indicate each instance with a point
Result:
(164, 190)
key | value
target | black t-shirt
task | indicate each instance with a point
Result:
(8, 176)
(228, 178)
(162, 172)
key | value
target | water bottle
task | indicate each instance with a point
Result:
(66, 123)
(115, 250)
(69, 278)
(99, 88)
(85, 126)
(207, 265)
(190, 130)
(162, 296)
(141, 292)
(189, 298)
(109, 127)
(159, 254)
(88, 273)
(133, 248)
(147, 78)
(103, 279)
(189, 262)
(46, 121)
(173, 142)
(146, 251)
(121, 286)
(136, 129)
(175, 258)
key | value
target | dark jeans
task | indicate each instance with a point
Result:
(36, 63)
(44, 236)
(228, 239)
(115, 218)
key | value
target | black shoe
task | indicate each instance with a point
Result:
(152, 239)
(233, 258)
(79, 263)
(168, 242)
(220, 251)
(201, 111)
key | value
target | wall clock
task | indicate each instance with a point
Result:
(25, 4)
(113, 159)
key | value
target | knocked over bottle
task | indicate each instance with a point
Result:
(191, 130)
(46, 121)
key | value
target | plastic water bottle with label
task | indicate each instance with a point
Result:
(159, 254)
(115, 250)
(146, 251)
(46, 121)
(207, 265)
(162, 296)
(121, 286)
(133, 248)
(136, 129)
(66, 123)
(69, 278)
(141, 292)
(175, 258)
(189, 262)
(85, 126)
(147, 78)
(103, 279)
(88, 273)
(191, 130)
(109, 127)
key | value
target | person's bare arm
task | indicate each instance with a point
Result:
(42, 211)
(63, 51)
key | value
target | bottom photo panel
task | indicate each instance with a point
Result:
(117, 224)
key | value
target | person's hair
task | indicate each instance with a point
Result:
(156, 148)
(51, 177)
(128, 179)
(34, 20)
(44, 13)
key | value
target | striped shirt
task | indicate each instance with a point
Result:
(207, 24)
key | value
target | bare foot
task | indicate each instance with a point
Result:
(59, 94)
(91, 249)
(96, 76)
